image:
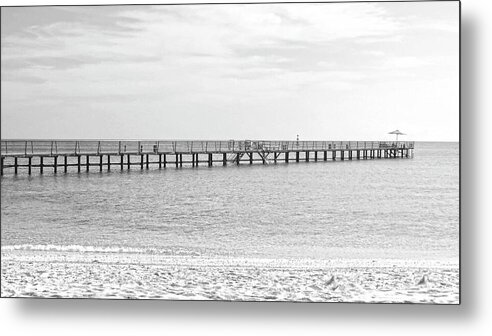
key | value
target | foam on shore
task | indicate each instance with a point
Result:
(27, 273)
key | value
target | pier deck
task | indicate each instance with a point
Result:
(24, 155)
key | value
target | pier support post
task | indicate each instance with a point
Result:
(275, 155)
(55, 164)
(1, 166)
(164, 160)
(181, 160)
(160, 161)
(307, 156)
(177, 160)
(210, 159)
(325, 155)
(238, 158)
(41, 165)
(87, 162)
(100, 163)
(224, 159)
(350, 154)
(65, 166)
(128, 161)
(109, 162)
(297, 156)
(15, 165)
(251, 158)
(29, 165)
(121, 161)
(342, 155)
(287, 157)
(141, 161)
(334, 155)
(147, 161)
(78, 163)
(316, 156)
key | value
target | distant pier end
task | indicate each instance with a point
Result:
(82, 155)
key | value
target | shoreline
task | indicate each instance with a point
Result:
(145, 276)
(180, 260)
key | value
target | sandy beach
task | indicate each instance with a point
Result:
(56, 274)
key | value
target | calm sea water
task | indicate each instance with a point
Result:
(399, 208)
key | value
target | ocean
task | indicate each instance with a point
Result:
(359, 209)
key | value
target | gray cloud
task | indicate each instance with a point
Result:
(17, 20)
(17, 77)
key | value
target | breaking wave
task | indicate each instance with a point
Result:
(99, 249)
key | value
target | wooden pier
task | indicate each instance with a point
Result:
(84, 155)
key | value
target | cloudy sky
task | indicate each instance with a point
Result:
(340, 71)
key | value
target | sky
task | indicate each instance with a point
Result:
(332, 71)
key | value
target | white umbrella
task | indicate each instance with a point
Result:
(397, 132)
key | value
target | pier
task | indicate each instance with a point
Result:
(28, 156)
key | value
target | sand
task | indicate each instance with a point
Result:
(144, 276)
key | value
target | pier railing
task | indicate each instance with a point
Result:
(82, 147)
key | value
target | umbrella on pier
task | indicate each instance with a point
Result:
(397, 132)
